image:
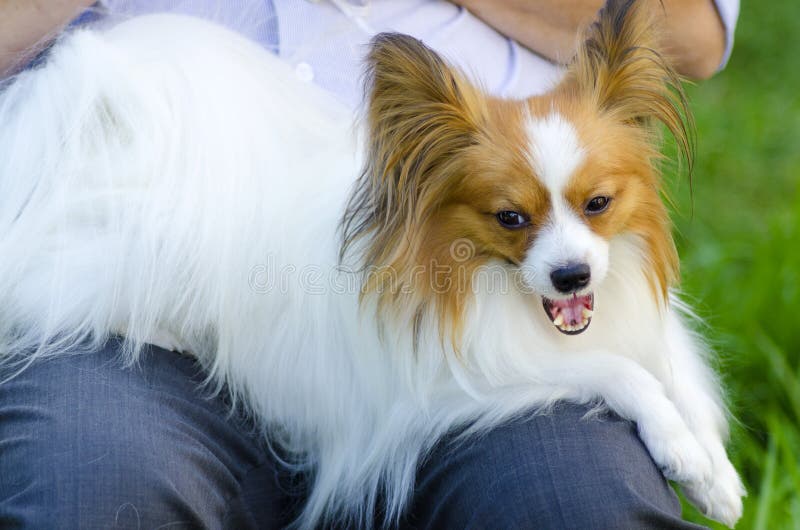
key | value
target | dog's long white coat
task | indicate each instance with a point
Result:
(169, 178)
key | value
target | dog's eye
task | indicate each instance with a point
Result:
(510, 219)
(597, 205)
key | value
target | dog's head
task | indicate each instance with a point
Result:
(456, 179)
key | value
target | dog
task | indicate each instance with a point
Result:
(458, 260)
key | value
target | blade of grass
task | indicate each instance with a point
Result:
(783, 372)
(765, 490)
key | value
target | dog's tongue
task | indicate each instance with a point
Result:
(570, 315)
(572, 308)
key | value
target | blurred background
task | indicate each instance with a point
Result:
(738, 233)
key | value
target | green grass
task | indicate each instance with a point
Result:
(739, 239)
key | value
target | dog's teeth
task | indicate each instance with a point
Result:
(587, 313)
(559, 320)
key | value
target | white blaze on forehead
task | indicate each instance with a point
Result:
(555, 153)
(553, 150)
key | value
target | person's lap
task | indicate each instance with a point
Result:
(86, 443)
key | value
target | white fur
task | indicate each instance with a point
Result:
(153, 176)
(554, 150)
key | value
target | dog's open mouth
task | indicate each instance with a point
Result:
(570, 315)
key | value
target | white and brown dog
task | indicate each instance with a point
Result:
(473, 259)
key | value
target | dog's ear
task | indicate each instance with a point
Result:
(419, 109)
(412, 91)
(621, 69)
(420, 114)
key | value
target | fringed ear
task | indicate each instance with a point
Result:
(621, 72)
(420, 114)
(620, 67)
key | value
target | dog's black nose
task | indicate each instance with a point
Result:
(571, 278)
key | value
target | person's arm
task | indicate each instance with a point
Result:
(26, 26)
(695, 36)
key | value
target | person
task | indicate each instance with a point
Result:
(86, 442)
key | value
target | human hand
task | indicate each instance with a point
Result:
(26, 26)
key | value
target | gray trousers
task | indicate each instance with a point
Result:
(86, 443)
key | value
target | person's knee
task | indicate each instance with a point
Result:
(87, 443)
(556, 471)
(606, 499)
(81, 445)
(97, 481)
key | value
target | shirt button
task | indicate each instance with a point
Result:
(304, 72)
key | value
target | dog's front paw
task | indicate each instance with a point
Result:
(678, 454)
(720, 498)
